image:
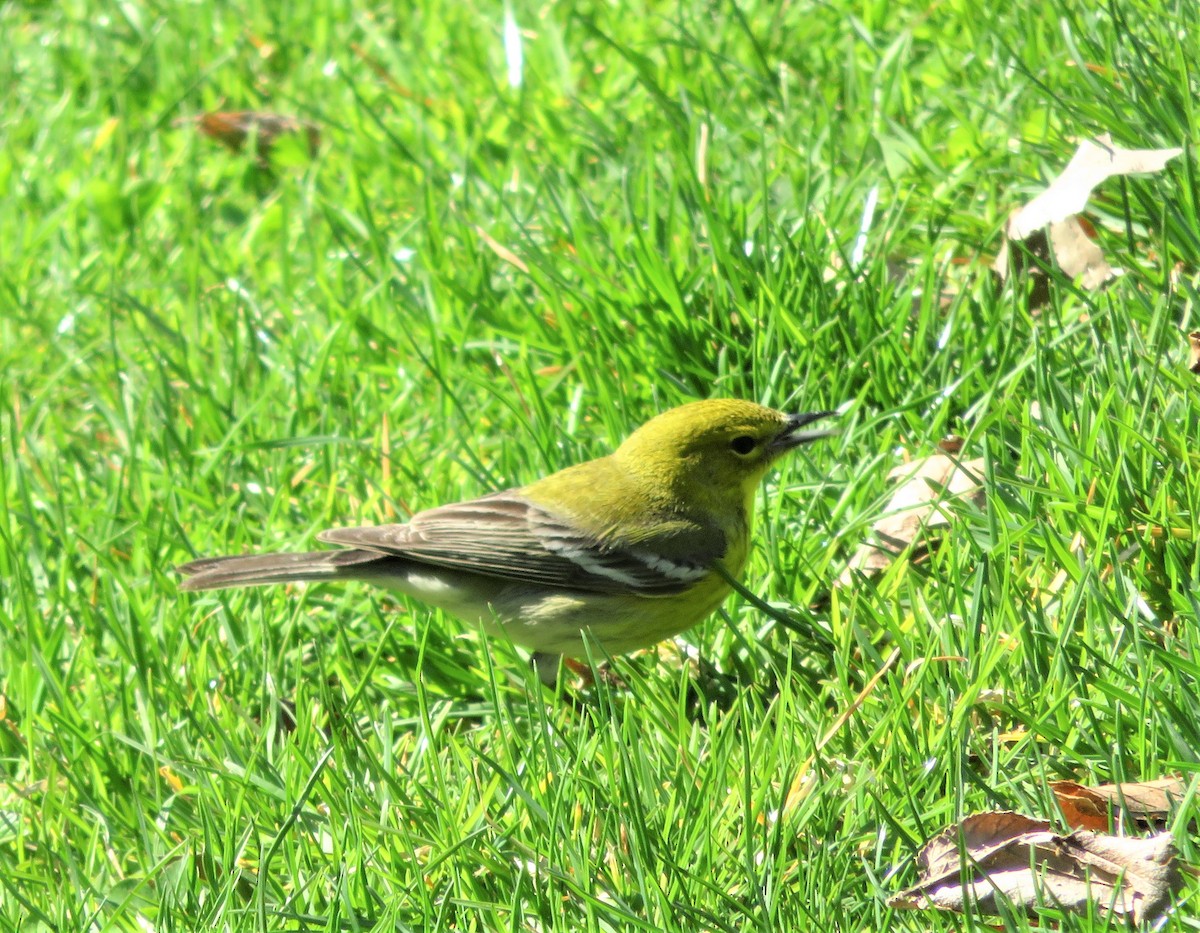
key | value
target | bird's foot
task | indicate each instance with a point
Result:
(546, 666)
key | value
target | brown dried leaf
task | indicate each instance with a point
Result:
(994, 858)
(1080, 808)
(1069, 242)
(1092, 163)
(1075, 253)
(917, 505)
(1148, 802)
(1194, 343)
(978, 837)
(1078, 255)
(233, 128)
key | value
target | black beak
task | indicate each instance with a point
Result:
(792, 435)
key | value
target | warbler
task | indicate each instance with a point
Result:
(630, 548)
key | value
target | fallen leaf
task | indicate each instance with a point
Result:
(1077, 254)
(991, 859)
(950, 444)
(1194, 342)
(1147, 802)
(1073, 250)
(1047, 227)
(1093, 162)
(233, 128)
(916, 506)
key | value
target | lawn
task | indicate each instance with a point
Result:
(527, 230)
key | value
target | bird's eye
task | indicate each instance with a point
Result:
(743, 444)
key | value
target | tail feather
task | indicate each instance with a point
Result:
(216, 573)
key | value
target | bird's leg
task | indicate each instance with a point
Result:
(581, 670)
(545, 665)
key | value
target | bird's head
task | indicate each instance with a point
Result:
(715, 449)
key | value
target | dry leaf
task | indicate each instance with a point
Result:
(1147, 802)
(234, 128)
(1069, 242)
(1078, 255)
(994, 858)
(1093, 162)
(1194, 342)
(950, 444)
(918, 504)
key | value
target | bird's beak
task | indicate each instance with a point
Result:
(791, 435)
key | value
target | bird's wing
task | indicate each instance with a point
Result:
(506, 535)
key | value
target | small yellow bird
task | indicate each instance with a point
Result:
(623, 547)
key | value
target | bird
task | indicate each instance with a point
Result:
(625, 550)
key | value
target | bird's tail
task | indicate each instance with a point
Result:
(218, 573)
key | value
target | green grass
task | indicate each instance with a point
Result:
(197, 356)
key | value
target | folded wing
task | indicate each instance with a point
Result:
(506, 535)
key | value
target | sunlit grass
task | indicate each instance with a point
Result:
(475, 283)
